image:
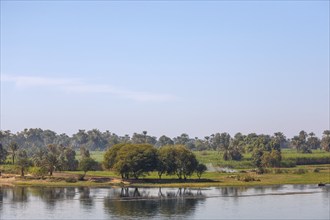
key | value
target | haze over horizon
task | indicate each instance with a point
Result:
(165, 67)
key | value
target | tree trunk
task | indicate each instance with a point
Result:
(84, 175)
(22, 171)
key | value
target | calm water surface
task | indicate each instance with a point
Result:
(275, 202)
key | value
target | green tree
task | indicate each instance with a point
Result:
(39, 157)
(313, 142)
(109, 158)
(224, 145)
(200, 169)
(166, 161)
(3, 154)
(139, 138)
(271, 159)
(281, 139)
(325, 143)
(164, 140)
(87, 164)
(186, 162)
(13, 148)
(300, 142)
(52, 160)
(80, 138)
(70, 163)
(84, 152)
(257, 157)
(23, 161)
(135, 160)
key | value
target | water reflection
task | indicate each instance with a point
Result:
(141, 202)
(19, 194)
(85, 197)
(101, 203)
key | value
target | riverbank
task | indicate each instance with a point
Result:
(313, 174)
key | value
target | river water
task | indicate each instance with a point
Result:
(266, 202)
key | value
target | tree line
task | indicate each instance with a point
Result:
(96, 140)
(47, 159)
(133, 157)
(128, 160)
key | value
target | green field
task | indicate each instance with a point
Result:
(289, 156)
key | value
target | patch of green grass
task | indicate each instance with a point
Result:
(291, 153)
(96, 173)
(215, 158)
(96, 155)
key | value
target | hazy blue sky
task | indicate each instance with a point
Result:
(165, 67)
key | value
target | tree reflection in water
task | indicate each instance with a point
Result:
(19, 194)
(50, 195)
(85, 199)
(232, 191)
(134, 202)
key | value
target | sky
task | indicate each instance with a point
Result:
(165, 67)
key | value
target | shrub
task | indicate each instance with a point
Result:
(278, 171)
(316, 170)
(71, 180)
(299, 171)
(247, 178)
(81, 177)
(204, 153)
(38, 171)
(200, 169)
(10, 169)
(311, 160)
(288, 163)
(262, 170)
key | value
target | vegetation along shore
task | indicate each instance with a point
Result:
(36, 157)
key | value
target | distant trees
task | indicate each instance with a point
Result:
(325, 143)
(300, 143)
(313, 142)
(3, 154)
(53, 151)
(13, 148)
(55, 157)
(267, 152)
(229, 147)
(23, 161)
(164, 140)
(143, 138)
(68, 159)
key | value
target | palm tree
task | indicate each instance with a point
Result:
(51, 163)
(39, 157)
(13, 148)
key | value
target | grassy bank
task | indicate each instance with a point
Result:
(311, 174)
